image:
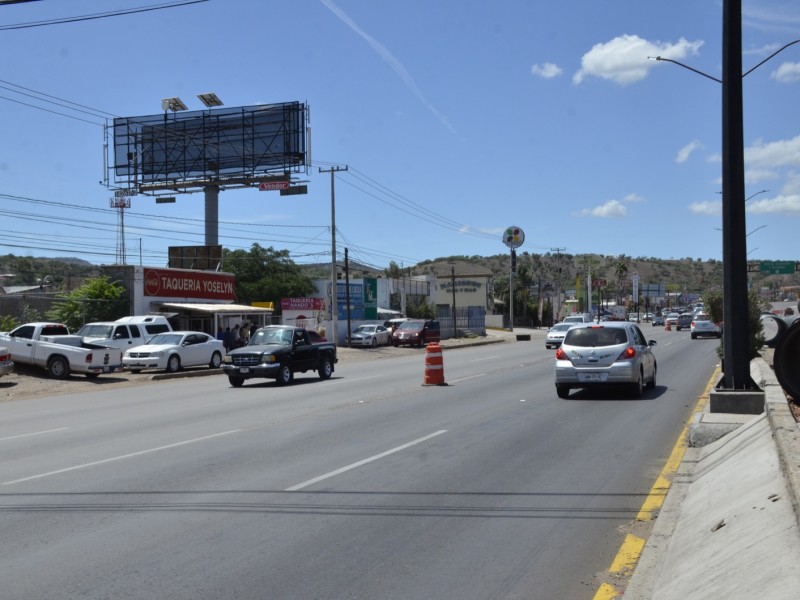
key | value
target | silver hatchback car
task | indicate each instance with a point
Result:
(613, 353)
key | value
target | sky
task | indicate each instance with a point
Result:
(454, 119)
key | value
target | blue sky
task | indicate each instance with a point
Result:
(456, 120)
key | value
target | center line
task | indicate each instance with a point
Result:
(300, 486)
(132, 454)
(22, 435)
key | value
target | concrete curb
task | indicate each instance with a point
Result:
(650, 573)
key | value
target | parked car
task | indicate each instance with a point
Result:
(555, 335)
(657, 320)
(371, 335)
(683, 321)
(579, 318)
(703, 326)
(393, 324)
(174, 350)
(603, 355)
(6, 364)
(416, 332)
(113, 334)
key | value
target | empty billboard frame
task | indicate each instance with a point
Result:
(197, 148)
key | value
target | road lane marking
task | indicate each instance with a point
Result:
(628, 556)
(467, 377)
(350, 379)
(22, 435)
(124, 456)
(355, 465)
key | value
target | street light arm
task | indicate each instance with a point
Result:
(769, 57)
(680, 64)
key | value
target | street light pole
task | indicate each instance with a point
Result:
(334, 307)
(735, 338)
(453, 286)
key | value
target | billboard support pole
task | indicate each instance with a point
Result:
(212, 214)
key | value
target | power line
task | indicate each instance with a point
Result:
(91, 17)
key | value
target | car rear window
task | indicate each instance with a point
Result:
(588, 337)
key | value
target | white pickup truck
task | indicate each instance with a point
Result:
(50, 346)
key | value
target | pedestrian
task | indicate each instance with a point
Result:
(228, 341)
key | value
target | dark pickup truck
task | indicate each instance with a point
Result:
(278, 352)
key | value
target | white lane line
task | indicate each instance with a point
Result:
(305, 484)
(483, 358)
(22, 435)
(131, 455)
(356, 379)
(467, 377)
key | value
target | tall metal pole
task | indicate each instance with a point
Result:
(453, 286)
(334, 307)
(735, 336)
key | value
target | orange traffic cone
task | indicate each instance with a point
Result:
(434, 365)
(667, 326)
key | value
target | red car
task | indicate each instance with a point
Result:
(416, 332)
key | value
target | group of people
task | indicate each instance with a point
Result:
(236, 336)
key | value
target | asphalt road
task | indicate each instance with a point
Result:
(369, 485)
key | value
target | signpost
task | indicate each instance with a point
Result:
(266, 186)
(513, 237)
(777, 267)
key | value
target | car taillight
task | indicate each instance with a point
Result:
(561, 355)
(89, 358)
(628, 353)
(5, 357)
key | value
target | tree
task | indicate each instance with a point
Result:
(713, 305)
(96, 300)
(266, 275)
(418, 307)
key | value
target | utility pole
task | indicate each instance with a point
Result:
(453, 286)
(557, 305)
(334, 307)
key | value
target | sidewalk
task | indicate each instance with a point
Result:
(729, 525)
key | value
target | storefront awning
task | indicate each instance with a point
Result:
(212, 308)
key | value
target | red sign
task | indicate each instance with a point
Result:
(198, 285)
(266, 186)
(302, 304)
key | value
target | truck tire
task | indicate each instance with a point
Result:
(325, 367)
(236, 381)
(285, 375)
(58, 367)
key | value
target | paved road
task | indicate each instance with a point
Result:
(369, 485)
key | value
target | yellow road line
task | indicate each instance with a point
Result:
(631, 549)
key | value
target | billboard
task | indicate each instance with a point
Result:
(192, 148)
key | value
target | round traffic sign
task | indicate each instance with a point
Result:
(513, 237)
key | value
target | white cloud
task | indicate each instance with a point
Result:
(685, 152)
(781, 205)
(624, 59)
(546, 70)
(782, 153)
(708, 207)
(787, 73)
(630, 198)
(611, 209)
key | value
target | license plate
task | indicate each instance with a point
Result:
(244, 369)
(590, 376)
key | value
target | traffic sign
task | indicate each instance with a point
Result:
(513, 237)
(124, 193)
(266, 186)
(776, 267)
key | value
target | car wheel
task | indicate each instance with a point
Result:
(374, 342)
(637, 388)
(216, 360)
(325, 368)
(562, 390)
(173, 364)
(236, 381)
(285, 375)
(652, 383)
(694, 336)
(58, 367)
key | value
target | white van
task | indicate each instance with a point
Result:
(579, 318)
(124, 333)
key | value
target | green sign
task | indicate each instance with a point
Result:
(776, 267)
